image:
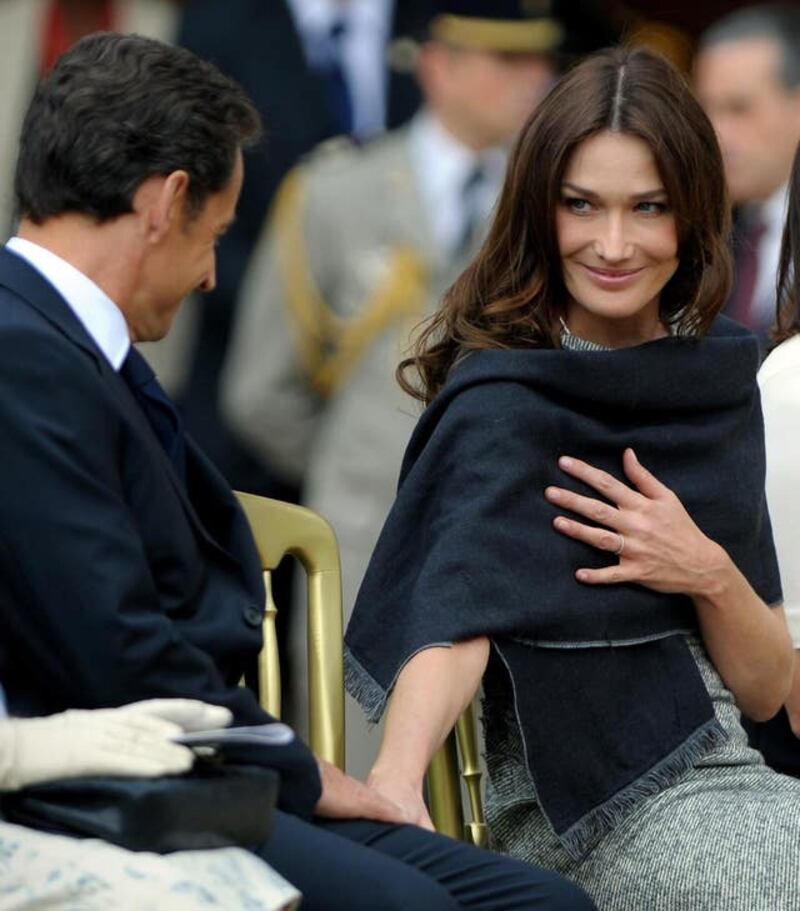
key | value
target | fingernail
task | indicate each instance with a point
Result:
(582, 575)
(565, 462)
(560, 523)
(552, 493)
(630, 450)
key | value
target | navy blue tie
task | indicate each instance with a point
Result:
(472, 213)
(338, 89)
(158, 409)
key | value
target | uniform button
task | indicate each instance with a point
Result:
(253, 616)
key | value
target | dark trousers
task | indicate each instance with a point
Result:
(359, 865)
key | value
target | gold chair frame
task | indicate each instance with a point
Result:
(444, 786)
(284, 528)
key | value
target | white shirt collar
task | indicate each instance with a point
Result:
(447, 161)
(773, 215)
(99, 315)
(775, 207)
(442, 164)
(362, 49)
(319, 15)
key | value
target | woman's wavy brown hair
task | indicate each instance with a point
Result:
(788, 323)
(512, 293)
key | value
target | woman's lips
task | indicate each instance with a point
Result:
(611, 278)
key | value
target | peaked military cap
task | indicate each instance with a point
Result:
(499, 25)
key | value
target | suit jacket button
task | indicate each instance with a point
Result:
(253, 616)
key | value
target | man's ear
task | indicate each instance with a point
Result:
(161, 201)
(431, 66)
(794, 96)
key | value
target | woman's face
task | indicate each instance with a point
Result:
(617, 239)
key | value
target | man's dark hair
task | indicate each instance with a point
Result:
(117, 109)
(778, 22)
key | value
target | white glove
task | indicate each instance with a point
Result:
(188, 714)
(133, 740)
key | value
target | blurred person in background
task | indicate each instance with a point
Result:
(779, 380)
(362, 243)
(747, 76)
(32, 35)
(314, 69)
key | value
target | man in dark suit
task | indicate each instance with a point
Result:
(126, 568)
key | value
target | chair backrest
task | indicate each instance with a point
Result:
(444, 785)
(284, 528)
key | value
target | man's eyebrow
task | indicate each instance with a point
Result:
(589, 194)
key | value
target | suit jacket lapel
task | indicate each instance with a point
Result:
(21, 278)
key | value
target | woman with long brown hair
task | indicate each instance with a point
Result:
(619, 615)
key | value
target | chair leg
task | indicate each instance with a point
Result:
(269, 670)
(444, 790)
(466, 735)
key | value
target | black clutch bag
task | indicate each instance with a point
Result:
(215, 805)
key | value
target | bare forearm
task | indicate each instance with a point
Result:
(747, 640)
(431, 692)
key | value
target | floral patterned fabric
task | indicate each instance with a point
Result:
(40, 871)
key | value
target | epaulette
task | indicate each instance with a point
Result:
(334, 149)
(328, 346)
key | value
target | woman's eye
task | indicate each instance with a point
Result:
(576, 204)
(652, 208)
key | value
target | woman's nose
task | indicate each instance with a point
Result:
(612, 243)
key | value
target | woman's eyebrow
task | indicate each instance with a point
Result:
(658, 191)
(590, 194)
(582, 191)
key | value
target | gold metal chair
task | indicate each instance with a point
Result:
(444, 786)
(283, 528)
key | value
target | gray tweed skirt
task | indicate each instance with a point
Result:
(726, 837)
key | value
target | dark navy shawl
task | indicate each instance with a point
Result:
(610, 702)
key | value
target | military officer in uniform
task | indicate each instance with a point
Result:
(361, 245)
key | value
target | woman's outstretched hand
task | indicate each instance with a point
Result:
(406, 796)
(344, 797)
(658, 544)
